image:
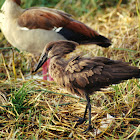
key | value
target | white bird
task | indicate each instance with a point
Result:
(31, 29)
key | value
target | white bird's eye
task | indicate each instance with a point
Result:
(1, 11)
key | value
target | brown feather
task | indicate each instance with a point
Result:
(46, 18)
(81, 28)
(38, 18)
(34, 18)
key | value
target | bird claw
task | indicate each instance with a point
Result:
(80, 121)
(89, 128)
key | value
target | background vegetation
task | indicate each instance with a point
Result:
(35, 109)
(76, 7)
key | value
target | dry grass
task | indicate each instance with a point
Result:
(37, 109)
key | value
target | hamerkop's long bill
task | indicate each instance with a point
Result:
(83, 76)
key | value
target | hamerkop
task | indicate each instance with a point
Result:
(31, 29)
(83, 76)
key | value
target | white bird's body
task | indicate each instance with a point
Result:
(31, 40)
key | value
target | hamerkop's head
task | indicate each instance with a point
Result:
(57, 48)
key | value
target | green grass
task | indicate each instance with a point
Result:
(75, 7)
(37, 114)
(1, 2)
(19, 99)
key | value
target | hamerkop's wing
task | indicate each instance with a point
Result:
(93, 74)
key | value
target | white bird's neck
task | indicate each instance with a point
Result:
(11, 9)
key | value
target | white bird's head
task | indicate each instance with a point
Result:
(11, 8)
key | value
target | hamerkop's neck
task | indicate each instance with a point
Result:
(56, 68)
